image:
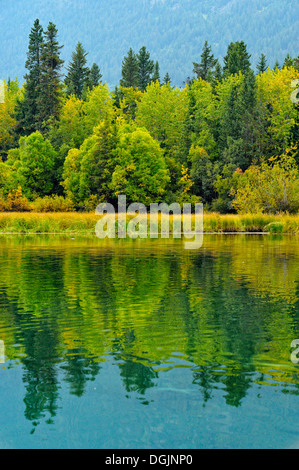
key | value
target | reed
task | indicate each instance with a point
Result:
(75, 222)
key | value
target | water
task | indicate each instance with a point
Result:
(142, 344)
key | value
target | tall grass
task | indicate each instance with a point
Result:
(74, 222)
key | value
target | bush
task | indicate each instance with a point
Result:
(274, 227)
(52, 204)
(15, 202)
(272, 187)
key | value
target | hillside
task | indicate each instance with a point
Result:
(173, 30)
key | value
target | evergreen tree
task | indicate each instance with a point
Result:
(218, 74)
(50, 88)
(94, 76)
(205, 67)
(145, 68)
(288, 61)
(276, 65)
(262, 64)
(27, 110)
(129, 71)
(78, 72)
(156, 74)
(236, 59)
(167, 79)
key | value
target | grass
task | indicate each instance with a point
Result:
(74, 222)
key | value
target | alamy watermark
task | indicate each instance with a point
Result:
(294, 97)
(295, 353)
(143, 224)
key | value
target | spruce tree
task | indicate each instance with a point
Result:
(27, 111)
(145, 68)
(218, 74)
(129, 71)
(167, 79)
(50, 88)
(262, 64)
(205, 67)
(276, 65)
(94, 76)
(236, 59)
(288, 61)
(78, 72)
(156, 74)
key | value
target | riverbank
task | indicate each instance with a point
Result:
(74, 222)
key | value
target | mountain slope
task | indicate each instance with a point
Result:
(173, 30)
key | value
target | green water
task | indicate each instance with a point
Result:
(143, 344)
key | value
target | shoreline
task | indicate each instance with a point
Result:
(84, 223)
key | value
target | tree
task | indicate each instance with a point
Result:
(262, 64)
(12, 93)
(27, 112)
(94, 76)
(78, 72)
(141, 171)
(88, 171)
(50, 87)
(36, 165)
(130, 71)
(272, 187)
(236, 59)
(145, 68)
(204, 69)
(162, 110)
(167, 79)
(288, 61)
(156, 74)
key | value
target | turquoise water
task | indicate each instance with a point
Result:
(143, 344)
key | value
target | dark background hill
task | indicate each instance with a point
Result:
(174, 31)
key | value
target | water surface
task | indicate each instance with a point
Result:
(143, 344)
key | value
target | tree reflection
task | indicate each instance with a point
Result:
(229, 309)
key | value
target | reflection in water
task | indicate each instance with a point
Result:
(150, 323)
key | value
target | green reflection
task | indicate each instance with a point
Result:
(228, 312)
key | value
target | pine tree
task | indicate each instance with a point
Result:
(156, 74)
(50, 88)
(129, 71)
(262, 64)
(78, 72)
(288, 61)
(276, 65)
(204, 68)
(236, 59)
(167, 79)
(218, 74)
(145, 68)
(27, 110)
(94, 76)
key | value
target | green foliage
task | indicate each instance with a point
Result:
(272, 187)
(130, 71)
(88, 171)
(205, 68)
(35, 168)
(52, 203)
(145, 68)
(140, 171)
(147, 139)
(77, 72)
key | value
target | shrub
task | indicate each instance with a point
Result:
(274, 227)
(52, 204)
(15, 202)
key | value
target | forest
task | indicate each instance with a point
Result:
(174, 31)
(228, 137)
